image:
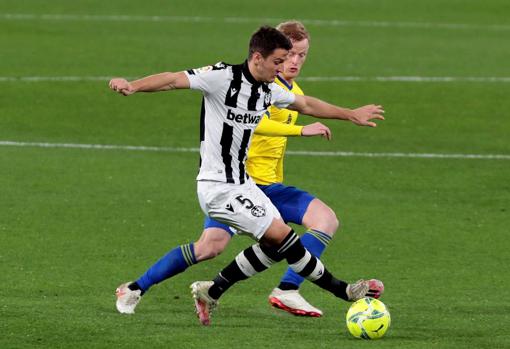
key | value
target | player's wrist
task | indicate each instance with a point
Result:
(351, 115)
(134, 87)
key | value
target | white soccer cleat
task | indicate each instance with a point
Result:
(365, 288)
(127, 299)
(204, 303)
(291, 301)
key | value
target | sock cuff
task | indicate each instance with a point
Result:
(188, 252)
(289, 240)
(319, 235)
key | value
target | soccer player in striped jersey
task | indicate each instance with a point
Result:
(235, 98)
(265, 166)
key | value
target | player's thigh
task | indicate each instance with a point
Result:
(320, 216)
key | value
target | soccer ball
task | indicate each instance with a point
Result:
(368, 318)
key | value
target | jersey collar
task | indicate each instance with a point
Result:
(284, 82)
(247, 74)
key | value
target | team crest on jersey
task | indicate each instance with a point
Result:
(267, 99)
(258, 211)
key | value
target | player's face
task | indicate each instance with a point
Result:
(272, 65)
(295, 59)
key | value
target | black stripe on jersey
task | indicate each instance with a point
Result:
(254, 97)
(202, 127)
(226, 143)
(202, 121)
(267, 96)
(190, 72)
(242, 155)
(235, 86)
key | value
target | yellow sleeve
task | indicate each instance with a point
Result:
(279, 166)
(268, 127)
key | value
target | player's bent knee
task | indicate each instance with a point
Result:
(334, 224)
(326, 222)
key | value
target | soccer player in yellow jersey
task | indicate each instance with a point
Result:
(265, 166)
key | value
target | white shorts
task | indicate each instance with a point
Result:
(242, 206)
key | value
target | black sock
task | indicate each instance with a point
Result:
(286, 286)
(293, 251)
(249, 262)
(333, 285)
(134, 286)
(226, 278)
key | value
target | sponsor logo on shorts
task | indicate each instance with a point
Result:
(258, 211)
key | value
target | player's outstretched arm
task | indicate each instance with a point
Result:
(152, 83)
(362, 116)
(271, 128)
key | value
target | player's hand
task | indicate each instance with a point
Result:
(363, 115)
(121, 86)
(316, 129)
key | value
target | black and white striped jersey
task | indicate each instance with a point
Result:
(232, 106)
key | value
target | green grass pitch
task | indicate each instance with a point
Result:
(75, 223)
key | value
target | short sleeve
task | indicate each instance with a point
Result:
(280, 97)
(206, 79)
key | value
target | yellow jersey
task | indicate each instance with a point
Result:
(265, 157)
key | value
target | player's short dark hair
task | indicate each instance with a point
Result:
(267, 39)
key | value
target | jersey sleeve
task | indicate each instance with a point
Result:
(206, 79)
(268, 127)
(280, 97)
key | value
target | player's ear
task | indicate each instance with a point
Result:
(257, 57)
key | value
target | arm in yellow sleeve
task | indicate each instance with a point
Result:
(268, 127)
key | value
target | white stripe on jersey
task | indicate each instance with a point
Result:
(234, 103)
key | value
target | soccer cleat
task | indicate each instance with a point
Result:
(365, 288)
(291, 301)
(204, 304)
(127, 299)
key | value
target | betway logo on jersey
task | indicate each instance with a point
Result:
(243, 118)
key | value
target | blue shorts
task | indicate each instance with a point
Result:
(290, 201)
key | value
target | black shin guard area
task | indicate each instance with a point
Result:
(228, 276)
(287, 248)
(293, 251)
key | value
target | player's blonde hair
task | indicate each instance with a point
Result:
(294, 30)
